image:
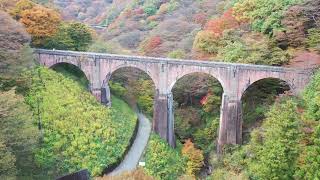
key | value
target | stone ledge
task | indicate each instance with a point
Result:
(236, 66)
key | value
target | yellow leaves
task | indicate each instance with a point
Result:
(40, 21)
(240, 9)
(80, 132)
(21, 6)
(195, 158)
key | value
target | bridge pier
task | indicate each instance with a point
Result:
(102, 94)
(96, 92)
(105, 95)
(163, 118)
(230, 131)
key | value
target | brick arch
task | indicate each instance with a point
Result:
(129, 65)
(180, 75)
(257, 81)
(290, 78)
(87, 75)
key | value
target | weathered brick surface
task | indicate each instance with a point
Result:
(234, 78)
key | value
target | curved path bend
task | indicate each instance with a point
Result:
(133, 156)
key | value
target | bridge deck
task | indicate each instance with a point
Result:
(187, 62)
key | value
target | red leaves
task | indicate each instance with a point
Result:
(226, 21)
(204, 99)
(151, 46)
(154, 42)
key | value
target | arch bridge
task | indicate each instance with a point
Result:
(234, 79)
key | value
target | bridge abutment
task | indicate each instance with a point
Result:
(230, 131)
(163, 121)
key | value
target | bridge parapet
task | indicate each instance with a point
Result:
(234, 78)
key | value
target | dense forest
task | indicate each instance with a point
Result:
(46, 132)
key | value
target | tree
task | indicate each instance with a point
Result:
(21, 6)
(78, 132)
(225, 22)
(297, 21)
(71, 36)
(251, 48)
(274, 149)
(41, 23)
(313, 40)
(163, 162)
(18, 133)
(194, 156)
(207, 41)
(150, 44)
(7, 161)
(309, 168)
(311, 97)
(15, 55)
(264, 15)
(177, 54)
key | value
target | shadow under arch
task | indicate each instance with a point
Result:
(73, 72)
(256, 100)
(181, 76)
(197, 100)
(133, 85)
(126, 66)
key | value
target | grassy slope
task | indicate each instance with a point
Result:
(113, 129)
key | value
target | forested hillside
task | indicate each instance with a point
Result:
(50, 124)
(48, 132)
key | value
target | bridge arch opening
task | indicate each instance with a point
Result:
(197, 100)
(256, 101)
(135, 86)
(73, 72)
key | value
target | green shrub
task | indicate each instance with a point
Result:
(70, 36)
(78, 132)
(251, 48)
(101, 47)
(150, 10)
(207, 42)
(144, 92)
(150, 7)
(152, 24)
(310, 166)
(163, 162)
(205, 137)
(177, 54)
(117, 89)
(313, 40)
(311, 96)
(173, 5)
(264, 15)
(273, 151)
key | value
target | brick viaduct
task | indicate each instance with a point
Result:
(234, 78)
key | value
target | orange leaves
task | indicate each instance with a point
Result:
(195, 158)
(149, 45)
(40, 21)
(226, 21)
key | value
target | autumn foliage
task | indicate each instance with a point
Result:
(21, 6)
(226, 21)
(150, 44)
(40, 22)
(194, 156)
